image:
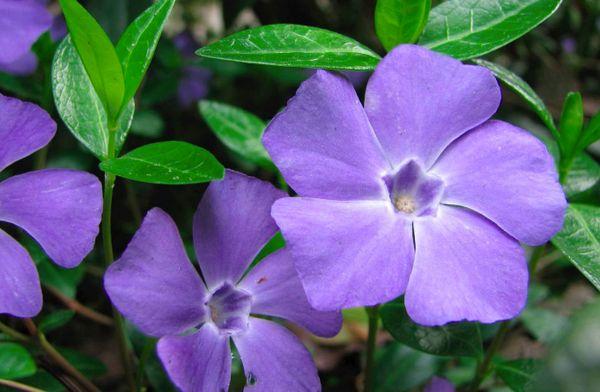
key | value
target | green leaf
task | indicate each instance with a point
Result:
(79, 105)
(517, 374)
(571, 125)
(400, 21)
(455, 339)
(591, 134)
(579, 239)
(15, 361)
(98, 56)
(89, 366)
(169, 163)
(583, 175)
(471, 28)
(289, 45)
(544, 324)
(148, 123)
(238, 129)
(522, 89)
(138, 43)
(55, 320)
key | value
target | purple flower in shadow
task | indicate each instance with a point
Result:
(60, 209)
(157, 288)
(438, 384)
(417, 193)
(195, 80)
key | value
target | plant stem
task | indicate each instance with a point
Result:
(18, 336)
(533, 260)
(146, 351)
(79, 308)
(484, 366)
(373, 313)
(18, 386)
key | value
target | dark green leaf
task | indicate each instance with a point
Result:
(44, 381)
(591, 134)
(289, 45)
(170, 163)
(55, 320)
(89, 366)
(15, 361)
(517, 374)
(399, 368)
(470, 28)
(148, 123)
(400, 21)
(571, 125)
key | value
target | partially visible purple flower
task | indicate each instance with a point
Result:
(60, 209)
(195, 80)
(157, 288)
(569, 45)
(418, 192)
(438, 384)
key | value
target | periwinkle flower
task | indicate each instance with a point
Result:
(438, 384)
(417, 193)
(195, 80)
(157, 288)
(60, 209)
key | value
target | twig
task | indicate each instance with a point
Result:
(18, 386)
(79, 308)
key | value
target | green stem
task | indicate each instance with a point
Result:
(17, 386)
(18, 336)
(484, 366)
(373, 313)
(145, 354)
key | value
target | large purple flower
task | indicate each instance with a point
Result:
(417, 193)
(156, 287)
(60, 209)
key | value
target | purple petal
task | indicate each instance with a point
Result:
(24, 129)
(346, 253)
(231, 226)
(193, 85)
(324, 145)
(465, 268)
(277, 291)
(507, 175)
(274, 359)
(23, 66)
(60, 208)
(21, 23)
(20, 291)
(419, 101)
(154, 284)
(199, 362)
(438, 384)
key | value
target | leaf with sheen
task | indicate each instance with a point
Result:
(400, 21)
(79, 106)
(138, 43)
(591, 133)
(98, 56)
(571, 125)
(579, 239)
(169, 163)
(289, 45)
(517, 374)
(583, 175)
(470, 28)
(15, 361)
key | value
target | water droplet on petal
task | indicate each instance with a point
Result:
(251, 379)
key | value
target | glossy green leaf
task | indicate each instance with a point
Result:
(138, 43)
(466, 29)
(98, 56)
(519, 86)
(79, 105)
(455, 339)
(400, 21)
(289, 45)
(571, 125)
(517, 374)
(239, 130)
(15, 361)
(583, 175)
(579, 239)
(55, 320)
(170, 163)
(591, 134)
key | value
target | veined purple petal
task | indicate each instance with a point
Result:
(324, 145)
(277, 291)
(507, 175)
(154, 284)
(419, 101)
(466, 268)
(231, 226)
(274, 359)
(59, 208)
(20, 291)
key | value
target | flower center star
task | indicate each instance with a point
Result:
(414, 192)
(229, 309)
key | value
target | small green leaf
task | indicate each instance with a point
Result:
(98, 56)
(571, 125)
(15, 361)
(517, 374)
(521, 87)
(400, 21)
(583, 175)
(455, 339)
(138, 43)
(169, 163)
(55, 320)
(238, 129)
(466, 29)
(289, 45)
(591, 134)
(579, 239)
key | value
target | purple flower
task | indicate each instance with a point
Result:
(194, 82)
(438, 384)
(60, 209)
(156, 287)
(417, 193)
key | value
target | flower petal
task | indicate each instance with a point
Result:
(466, 268)
(277, 291)
(419, 101)
(274, 359)
(231, 226)
(341, 248)
(154, 284)
(324, 145)
(20, 291)
(61, 209)
(439, 384)
(24, 129)
(24, 65)
(198, 362)
(507, 175)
